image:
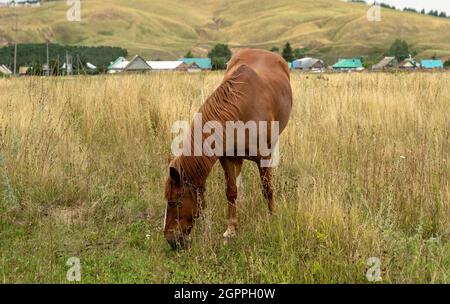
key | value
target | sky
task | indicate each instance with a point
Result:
(440, 5)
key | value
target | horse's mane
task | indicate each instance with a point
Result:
(221, 106)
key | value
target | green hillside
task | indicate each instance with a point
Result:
(168, 28)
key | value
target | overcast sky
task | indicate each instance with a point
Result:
(440, 5)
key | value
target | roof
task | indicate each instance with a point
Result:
(409, 63)
(137, 64)
(118, 64)
(432, 64)
(5, 70)
(90, 66)
(164, 65)
(384, 63)
(305, 63)
(352, 63)
(204, 63)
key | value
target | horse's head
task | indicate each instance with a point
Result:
(184, 201)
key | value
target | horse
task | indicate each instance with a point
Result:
(256, 88)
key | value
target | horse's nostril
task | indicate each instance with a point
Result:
(172, 241)
(178, 241)
(173, 244)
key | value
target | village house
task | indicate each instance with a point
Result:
(385, 64)
(351, 64)
(409, 64)
(137, 64)
(4, 70)
(202, 63)
(431, 64)
(118, 65)
(167, 65)
(19, 3)
(23, 70)
(308, 64)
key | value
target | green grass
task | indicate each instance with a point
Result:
(168, 29)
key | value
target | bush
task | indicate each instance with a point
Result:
(399, 49)
(287, 53)
(220, 55)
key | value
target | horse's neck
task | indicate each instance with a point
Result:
(198, 168)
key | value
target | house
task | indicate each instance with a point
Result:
(385, 64)
(308, 64)
(352, 64)
(203, 63)
(167, 65)
(193, 67)
(23, 70)
(4, 70)
(90, 66)
(431, 64)
(137, 64)
(409, 64)
(117, 65)
(17, 3)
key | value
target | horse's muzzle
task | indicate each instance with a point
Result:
(177, 241)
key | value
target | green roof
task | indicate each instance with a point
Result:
(432, 64)
(203, 63)
(111, 65)
(352, 63)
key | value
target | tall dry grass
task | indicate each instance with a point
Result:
(364, 173)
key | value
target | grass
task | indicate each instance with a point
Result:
(364, 173)
(168, 29)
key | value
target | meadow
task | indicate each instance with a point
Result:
(364, 172)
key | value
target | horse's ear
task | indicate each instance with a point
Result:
(175, 175)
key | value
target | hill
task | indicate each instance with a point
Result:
(168, 28)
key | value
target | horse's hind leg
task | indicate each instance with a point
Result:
(266, 180)
(232, 169)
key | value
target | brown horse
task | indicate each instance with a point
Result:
(256, 88)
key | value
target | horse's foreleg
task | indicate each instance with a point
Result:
(232, 170)
(266, 181)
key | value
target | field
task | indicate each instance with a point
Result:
(365, 172)
(167, 29)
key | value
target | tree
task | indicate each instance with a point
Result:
(275, 49)
(298, 53)
(399, 49)
(447, 64)
(220, 55)
(189, 54)
(287, 52)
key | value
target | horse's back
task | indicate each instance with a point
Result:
(266, 78)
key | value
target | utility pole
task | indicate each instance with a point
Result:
(15, 48)
(47, 67)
